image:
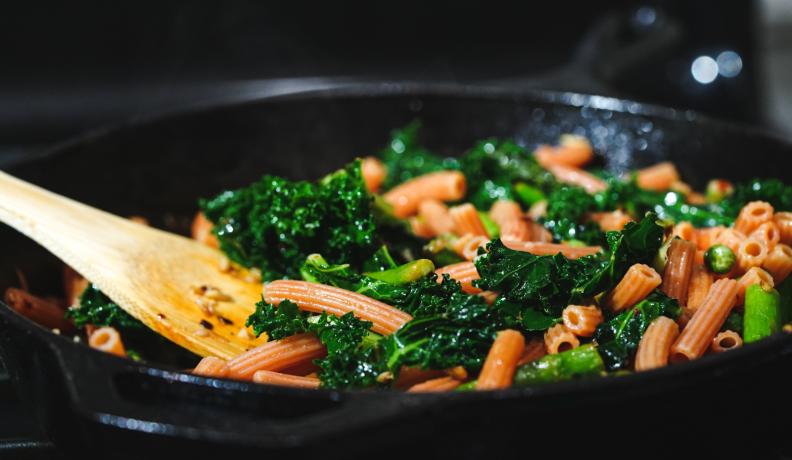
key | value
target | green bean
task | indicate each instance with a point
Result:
(785, 291)
(528, 194)
(762, 313)
(406, 273)
(579, 362)
(493, 230)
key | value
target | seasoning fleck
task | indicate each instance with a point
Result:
(207, 325)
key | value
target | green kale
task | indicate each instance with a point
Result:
(772, 191)
(566, 208)
(618, 338)
(280, 322)
(97, 309)
(734, 322)
(274, 223)
(405, 159)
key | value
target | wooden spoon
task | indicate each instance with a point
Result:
(154, 275)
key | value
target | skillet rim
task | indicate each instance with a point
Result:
(774, 346)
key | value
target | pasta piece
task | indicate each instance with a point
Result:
(515, 230)
(420, 228)
(701, 280)
(783, 221)
(202, 231)
(501, 362)
(276, 355)
(697, 336)
(409, 376)
(753, 276)
(779, 263)
(558, 338)
(503, 211)
(538, 210)
(697, 199)
(316, 298)
(441, 185)
(540, 234)
(582, 320)
(534, 349)
(139, 220)
(108, 340)
(706, 237)
(768, 234)
(457, 372)
(464, 272)
(73, 285)
(468, 245)
(676, 277)
(436, 216)
(731, 239)
(435, 385)
(549, 249)
(638, 282)
(685, 231)
(725, 341)
(467, 221)
(211, 366)
(611, 221)
(579, 177)
(751, 253)
(488, 296)
(285, 380)
(655, 345)
(42, 311)
(575, 151)
(658, 177)
(373, 172)
(752, 215)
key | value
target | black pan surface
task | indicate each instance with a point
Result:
(158, 167)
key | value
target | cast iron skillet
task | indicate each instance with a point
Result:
(158, 167)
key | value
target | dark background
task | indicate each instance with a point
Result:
(68, 67)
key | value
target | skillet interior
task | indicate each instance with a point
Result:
(157, 168)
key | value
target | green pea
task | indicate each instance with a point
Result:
(719, 258)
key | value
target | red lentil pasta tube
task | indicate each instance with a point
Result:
(409, 376)
(537, 210)
(503, 211)
(752, 215)
(582, 320)
(768, 234)
(464, 272)
(611, 221)
(201, 231)
(211, 366)
(317, 298)
(73, 285)
(468, 245)
(285, 380)
(753, 276)
(540, 234)
(558, 338)
(706, 237)
(751, 253)
(373, 172)
(501, 362)
(276, 355)
(575, 151)
(658, 177)
(639, 281)
(731, 239)
(436, 216)
(435, 385)
(701, 281)
(549, 249)
(783, 221)
(655, 345)
(779, 263)
(420, 228)
(108, 340)
(467, 221)
(579, 177)
(685, 231)
(515, 230)
(725, 341)
(697, 336)
(676, 277)
(41, 311)
(441, 185)
(534, 349)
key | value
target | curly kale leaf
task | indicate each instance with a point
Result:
(618, 338)
(97, 309)
(280, 322)
(772, 191)
(405, 159)
(275, 223)
(566, 208)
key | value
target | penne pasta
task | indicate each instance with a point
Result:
(503, 211)
(725, 341)
(285, 380)
(276, 355)
(701, 280)
(373, 172)
(783, 221)
(685, 231)
(435, 385)
(442, 185)
(753, 276)
(515, 230)
(752, 215)
(73, 285)
(549, 249)
(108, 340)
(211, 366)
(697, 336)
(317, 298)
(767, 234)
(538, 210)
(41, 311)
(706, 237)
(558, 338)
(779, 263)
(467, 246)
(658, 177)
(751, 253)
(611, 221)
(676, 277)
(409, 376)
(436, 216)
(464, 272)
(201, 231)
(731, 239)
(534, 349)
(573, 150)
(501, 362)
(655, 345)
(575, 176)
(420, 229)
(639, 281)
(582, 320)
(467, 221)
